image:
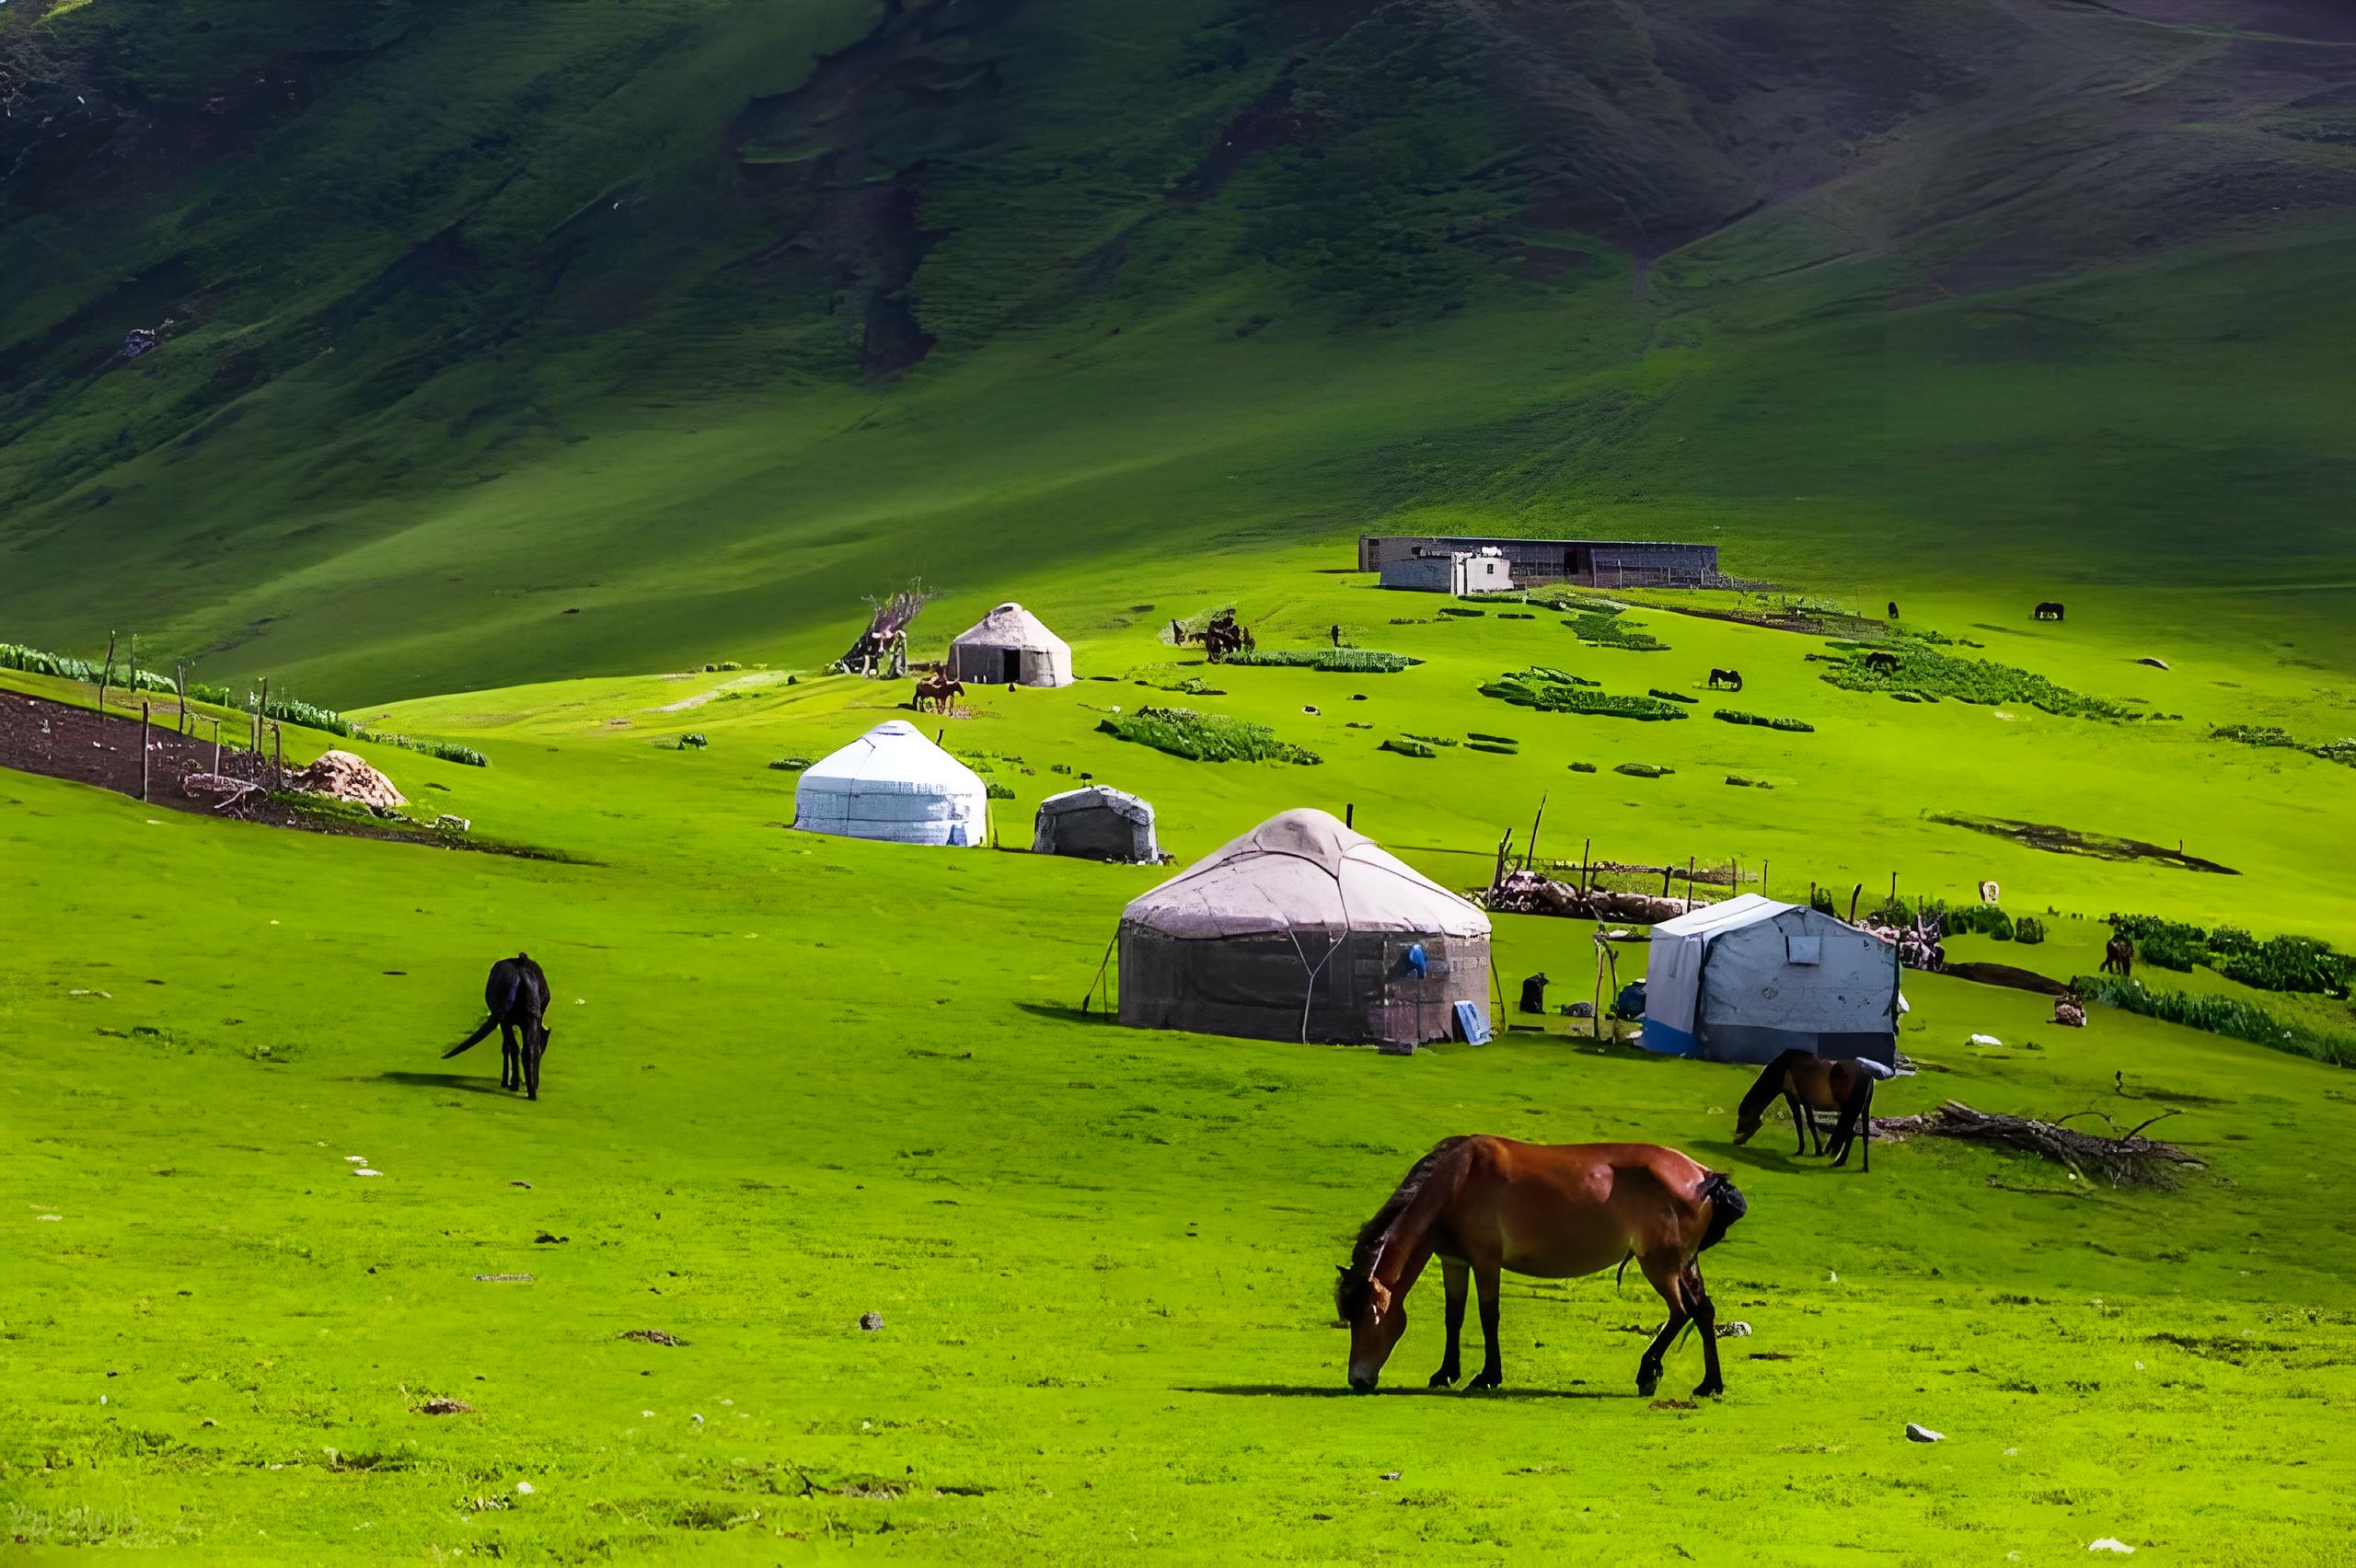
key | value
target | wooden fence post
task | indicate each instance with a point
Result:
(143, 752)
(1688, 884)
(1529, 850)
(217, 746)
(180, 681)
(278, 757)
(106, 677)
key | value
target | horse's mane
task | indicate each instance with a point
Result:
(1769, 1084)
(1350, 1290)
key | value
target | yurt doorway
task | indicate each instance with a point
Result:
(1012, 670)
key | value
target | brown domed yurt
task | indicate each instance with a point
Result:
(1010, 646)
(1303, 930)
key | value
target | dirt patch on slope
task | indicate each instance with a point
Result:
(2056, 841)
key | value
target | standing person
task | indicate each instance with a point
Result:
(1337, 634)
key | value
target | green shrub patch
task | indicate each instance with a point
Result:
(1546, 690)
(1643, 770)
(1736, 716)
(1348, 661)
(2341, 750)
(1407, 747)
(1909, 667)
(1668, 696)
(1204, 737)
(2220, 1015)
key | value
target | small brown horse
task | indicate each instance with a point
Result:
(1809, 1083)
(1552, 1211)
(940, 691)
(2119, 957)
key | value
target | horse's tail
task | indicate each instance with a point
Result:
(1853, 1111)
(471, 1040)
(1726, 1206)
(1622, 1271)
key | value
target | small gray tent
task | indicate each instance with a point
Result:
(1748, 979)
(1096, 823)
(1302, 929)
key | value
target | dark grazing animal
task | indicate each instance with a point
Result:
(517, 995)
(2050, 609)
(1551, 1211)
(1731, 679)
(1809, 1083)
(1882, 661)
(1893, 609)
(2118, 956)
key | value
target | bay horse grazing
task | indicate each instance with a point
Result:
(2118, 956)
(939, 690)
(1809, 1083)
(1551, 1211)
(2051, 609)
(1731, 679)
(517, 995)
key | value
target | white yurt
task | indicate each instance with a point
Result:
(1096, 823)
(1010, 646)
(1748, 979)
(1303, 930)
(894, 785)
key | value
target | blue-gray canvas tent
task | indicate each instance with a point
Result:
(1748, 979)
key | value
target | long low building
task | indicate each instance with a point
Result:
(1589, 564)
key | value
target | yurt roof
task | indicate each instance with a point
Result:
(895, 754)
(1098, 797)
(1727, 915)
(1300, 870)
(1011, 625)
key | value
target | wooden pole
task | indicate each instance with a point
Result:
(1529, 850)
(217, 746)
(1596, 1031)
(1349, 814)
(1504, 846)
(1856, 893)
(106, 677)
(1666, 873)
(180, 681)
(1762, 877)
(142, 750)
(278, 757)
(1586, 863)
(1689, 884)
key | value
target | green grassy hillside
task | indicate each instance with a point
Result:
(796, 1079)
(705, 317)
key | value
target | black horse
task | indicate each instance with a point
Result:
(1893, 609)
(517, 995)
(1731, 679)
(2050, 609)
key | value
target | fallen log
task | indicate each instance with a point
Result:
(2125, 1159)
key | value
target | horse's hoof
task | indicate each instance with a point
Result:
(1485, 1380)
(1442, 1379)
(1710, 1387)
(1645, 1386)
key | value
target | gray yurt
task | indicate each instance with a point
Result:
(1096, 823)
(1303, 930)
(1010, 646)
(1748, 979)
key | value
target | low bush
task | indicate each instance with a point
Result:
(1493, 740)
(1346, 661)
(1909, 667)
(1736, 716)
(1492, 748)
(2220, 1015)
(1408, 748)
(792, 763)
(1434, 740)
(1985, 919)
(1582, 767)
(693, 743)
(1667, 695)
(1643, 770)
(448, 751)
(1204, 737)
(2029, 930)
(2284, 963)
(1601, 630)
(1460, 610)
(1539, 689)
(2342, 751)
(993, 789)
(1744, 782)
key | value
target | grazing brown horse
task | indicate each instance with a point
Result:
(2119, 957)
(1731, 679)
(1552, 1211)
(939, 690)
(1809, 1083)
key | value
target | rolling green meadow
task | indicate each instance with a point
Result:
(556, 378)
(795, 1079)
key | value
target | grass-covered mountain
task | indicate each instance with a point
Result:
(701, 317)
